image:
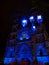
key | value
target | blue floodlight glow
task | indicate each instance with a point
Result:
(33, 27)
(39, 19)
(43, 59)
(8, 60)
(27, 37)
(24, 22)
(31, 18)
(21, 38)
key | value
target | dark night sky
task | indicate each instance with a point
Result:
(8, 9)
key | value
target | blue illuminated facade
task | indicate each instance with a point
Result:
(42, 49)
(24, 53)
(43, 58)
(24, 34)
(10, 55)
(21, 48)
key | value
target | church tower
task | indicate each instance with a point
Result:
(27, 41)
